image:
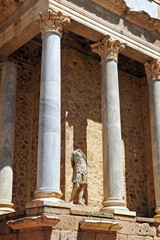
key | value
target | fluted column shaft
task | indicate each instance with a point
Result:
(7, 132)
(153, 76)
(111, 126)
(49, 138)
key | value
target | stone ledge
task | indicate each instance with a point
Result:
(122, 212)
(33, 222)
(91, 213)
(100, 225)
(46, 210)
(12, 215)
(148, 220)
(48, 204)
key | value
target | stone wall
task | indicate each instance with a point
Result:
(69, 227)
(81, 78)
(26, 124)
(81, 125)
(134, 141)
(26, 135)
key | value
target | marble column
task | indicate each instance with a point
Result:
(113, 177)
(153, 76)
(7, 131)
(49, 138)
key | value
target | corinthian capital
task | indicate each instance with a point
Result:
(51, 21)
(108, 48)
(153, 70)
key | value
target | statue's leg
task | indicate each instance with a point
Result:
(81, 193)
(74, 191)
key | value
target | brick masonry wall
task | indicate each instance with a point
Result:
(134, 142)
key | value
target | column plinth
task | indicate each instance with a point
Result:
(7, 132)
(113, 181)
(153, 76)
(49, 138)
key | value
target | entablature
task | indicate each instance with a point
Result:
(88, 19)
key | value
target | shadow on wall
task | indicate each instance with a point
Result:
(136, 135)
(54, 234)
(81, 101)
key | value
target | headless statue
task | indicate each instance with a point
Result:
(79, 180)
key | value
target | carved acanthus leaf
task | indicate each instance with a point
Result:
(108, 48)
(51, 21)
(153, 70)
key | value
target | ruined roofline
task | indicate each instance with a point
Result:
(139, 18)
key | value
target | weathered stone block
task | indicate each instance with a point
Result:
(121, 237)
(158, 231)
(125, 218)
(68, 235)
(144, 219)
(127, 227)
(66, 223)
(144, 229)
(86, 236)
(103, 236)
(134, 237)
(77, 221)
(55, 235)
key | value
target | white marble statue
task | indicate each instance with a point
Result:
(79, 180)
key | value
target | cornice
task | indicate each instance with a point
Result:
(79, 14)
(139, 18)
(143, 20)
(116, 6)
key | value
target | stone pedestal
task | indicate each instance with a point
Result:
(7, 131)
(153, 76)
(49, 138)
(112, 148)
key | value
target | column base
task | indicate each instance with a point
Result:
(114, 206)
(48, 202)
(157, 216)
(47, 198)
(47, 194)
(6, 208)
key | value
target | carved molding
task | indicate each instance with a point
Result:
(33, 222)
(116, 6)
(143, 20)
(140, 18)
(51, 21)
(100, 225)
(98, 24)
(153, 70)
(108, 48)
